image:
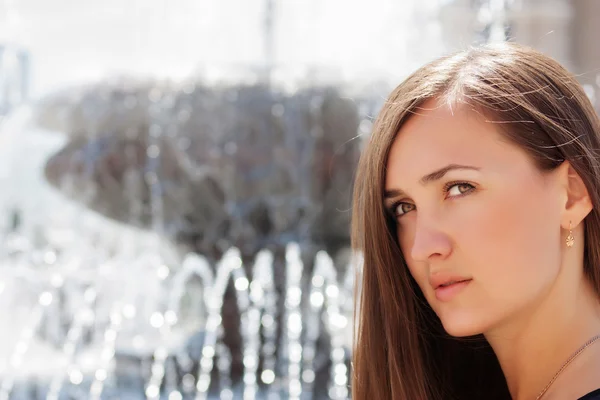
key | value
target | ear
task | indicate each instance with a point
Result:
(578, 203)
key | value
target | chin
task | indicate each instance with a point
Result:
(462, 325)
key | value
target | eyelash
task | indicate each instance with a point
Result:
(447, 187)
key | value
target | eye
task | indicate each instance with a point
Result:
(400, 209)
(455, 189)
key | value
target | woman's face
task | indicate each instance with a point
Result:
(472, 207)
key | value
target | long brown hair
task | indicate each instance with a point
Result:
(401, 350)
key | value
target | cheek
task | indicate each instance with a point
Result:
(511, 240)
(404, 236)
(418, 270)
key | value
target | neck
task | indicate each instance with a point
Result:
(533, 346)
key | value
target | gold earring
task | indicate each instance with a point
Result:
(570, 238)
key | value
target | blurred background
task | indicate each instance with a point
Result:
(176, 182)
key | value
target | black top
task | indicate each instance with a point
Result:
(595, 395)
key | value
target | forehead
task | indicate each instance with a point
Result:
(437, 135)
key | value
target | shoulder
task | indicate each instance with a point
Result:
(595, 395)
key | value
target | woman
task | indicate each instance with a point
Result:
(476, 217)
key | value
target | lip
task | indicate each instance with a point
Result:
(442, 278)
(447, 293)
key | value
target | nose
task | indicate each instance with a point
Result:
(429, 241)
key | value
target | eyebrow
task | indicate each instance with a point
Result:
(434, 176)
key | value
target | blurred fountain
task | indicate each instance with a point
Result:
(164, 290)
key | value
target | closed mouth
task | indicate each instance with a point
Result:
(452, 283)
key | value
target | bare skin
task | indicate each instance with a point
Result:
(500, 223)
